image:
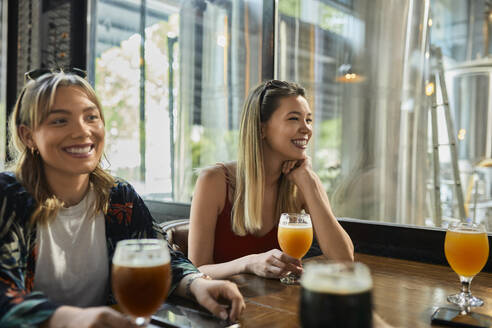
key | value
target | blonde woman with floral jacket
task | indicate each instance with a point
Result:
(61, 215)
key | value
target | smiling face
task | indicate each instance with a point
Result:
(286, 134)
(70, 139)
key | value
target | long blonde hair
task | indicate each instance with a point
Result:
(32, 107)
(259, 106)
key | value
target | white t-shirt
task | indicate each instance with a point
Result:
(72, 262)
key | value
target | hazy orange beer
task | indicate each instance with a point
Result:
(466, 247)
(467, 251)
(295, 235)
(295, 239)
(141, 276)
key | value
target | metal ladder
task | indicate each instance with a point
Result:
(438, 70)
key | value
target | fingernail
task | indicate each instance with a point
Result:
(223, 315)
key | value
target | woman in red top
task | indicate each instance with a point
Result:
(236, 206)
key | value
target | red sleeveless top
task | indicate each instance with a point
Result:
(229, 246)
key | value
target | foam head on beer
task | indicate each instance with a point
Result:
(336, 278)
(144, 254)
(335, 294)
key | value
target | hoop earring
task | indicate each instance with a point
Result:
(34, 151)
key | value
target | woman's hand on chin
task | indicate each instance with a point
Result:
(297, 170)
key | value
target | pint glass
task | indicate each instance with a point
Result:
(141, 276)
(336, 295)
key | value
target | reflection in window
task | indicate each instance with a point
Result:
(365, 66)
(462, 30)
(133, 85)
(172, 106)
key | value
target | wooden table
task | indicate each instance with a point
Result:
(405, 294)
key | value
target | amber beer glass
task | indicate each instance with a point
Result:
(141, 277)
(336, 295)
(466, 247)
(295, 236)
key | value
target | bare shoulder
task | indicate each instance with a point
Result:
(220, 172)
(210, 189)
(230, 168)
(212, 175)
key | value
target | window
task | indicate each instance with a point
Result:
(365, 67)
(172, 76)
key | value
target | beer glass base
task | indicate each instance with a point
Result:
(141, 321)
(290, 279)
(465, 301)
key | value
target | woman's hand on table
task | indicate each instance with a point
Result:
(273, 264)
(93, 317)
(208, 293)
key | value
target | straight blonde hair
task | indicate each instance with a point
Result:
(32, 107)
(249, 189)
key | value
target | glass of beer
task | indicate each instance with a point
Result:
(295, 236)
(466, 247)
(336, 295)
(141, 277)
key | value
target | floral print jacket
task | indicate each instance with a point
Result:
(127, 217)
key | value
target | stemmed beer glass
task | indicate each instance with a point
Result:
(141, 277)
(295, 236)
(466, 247)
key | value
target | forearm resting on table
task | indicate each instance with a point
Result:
(227, 269)
(181, 288)
(334, 242)
(338, 245)
(61, 314)
(71, 316)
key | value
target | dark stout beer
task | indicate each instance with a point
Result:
(333, 295)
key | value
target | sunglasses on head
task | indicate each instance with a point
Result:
(37, 73)
(34, 74)
(272, 84)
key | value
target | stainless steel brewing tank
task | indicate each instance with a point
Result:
(469, 91)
